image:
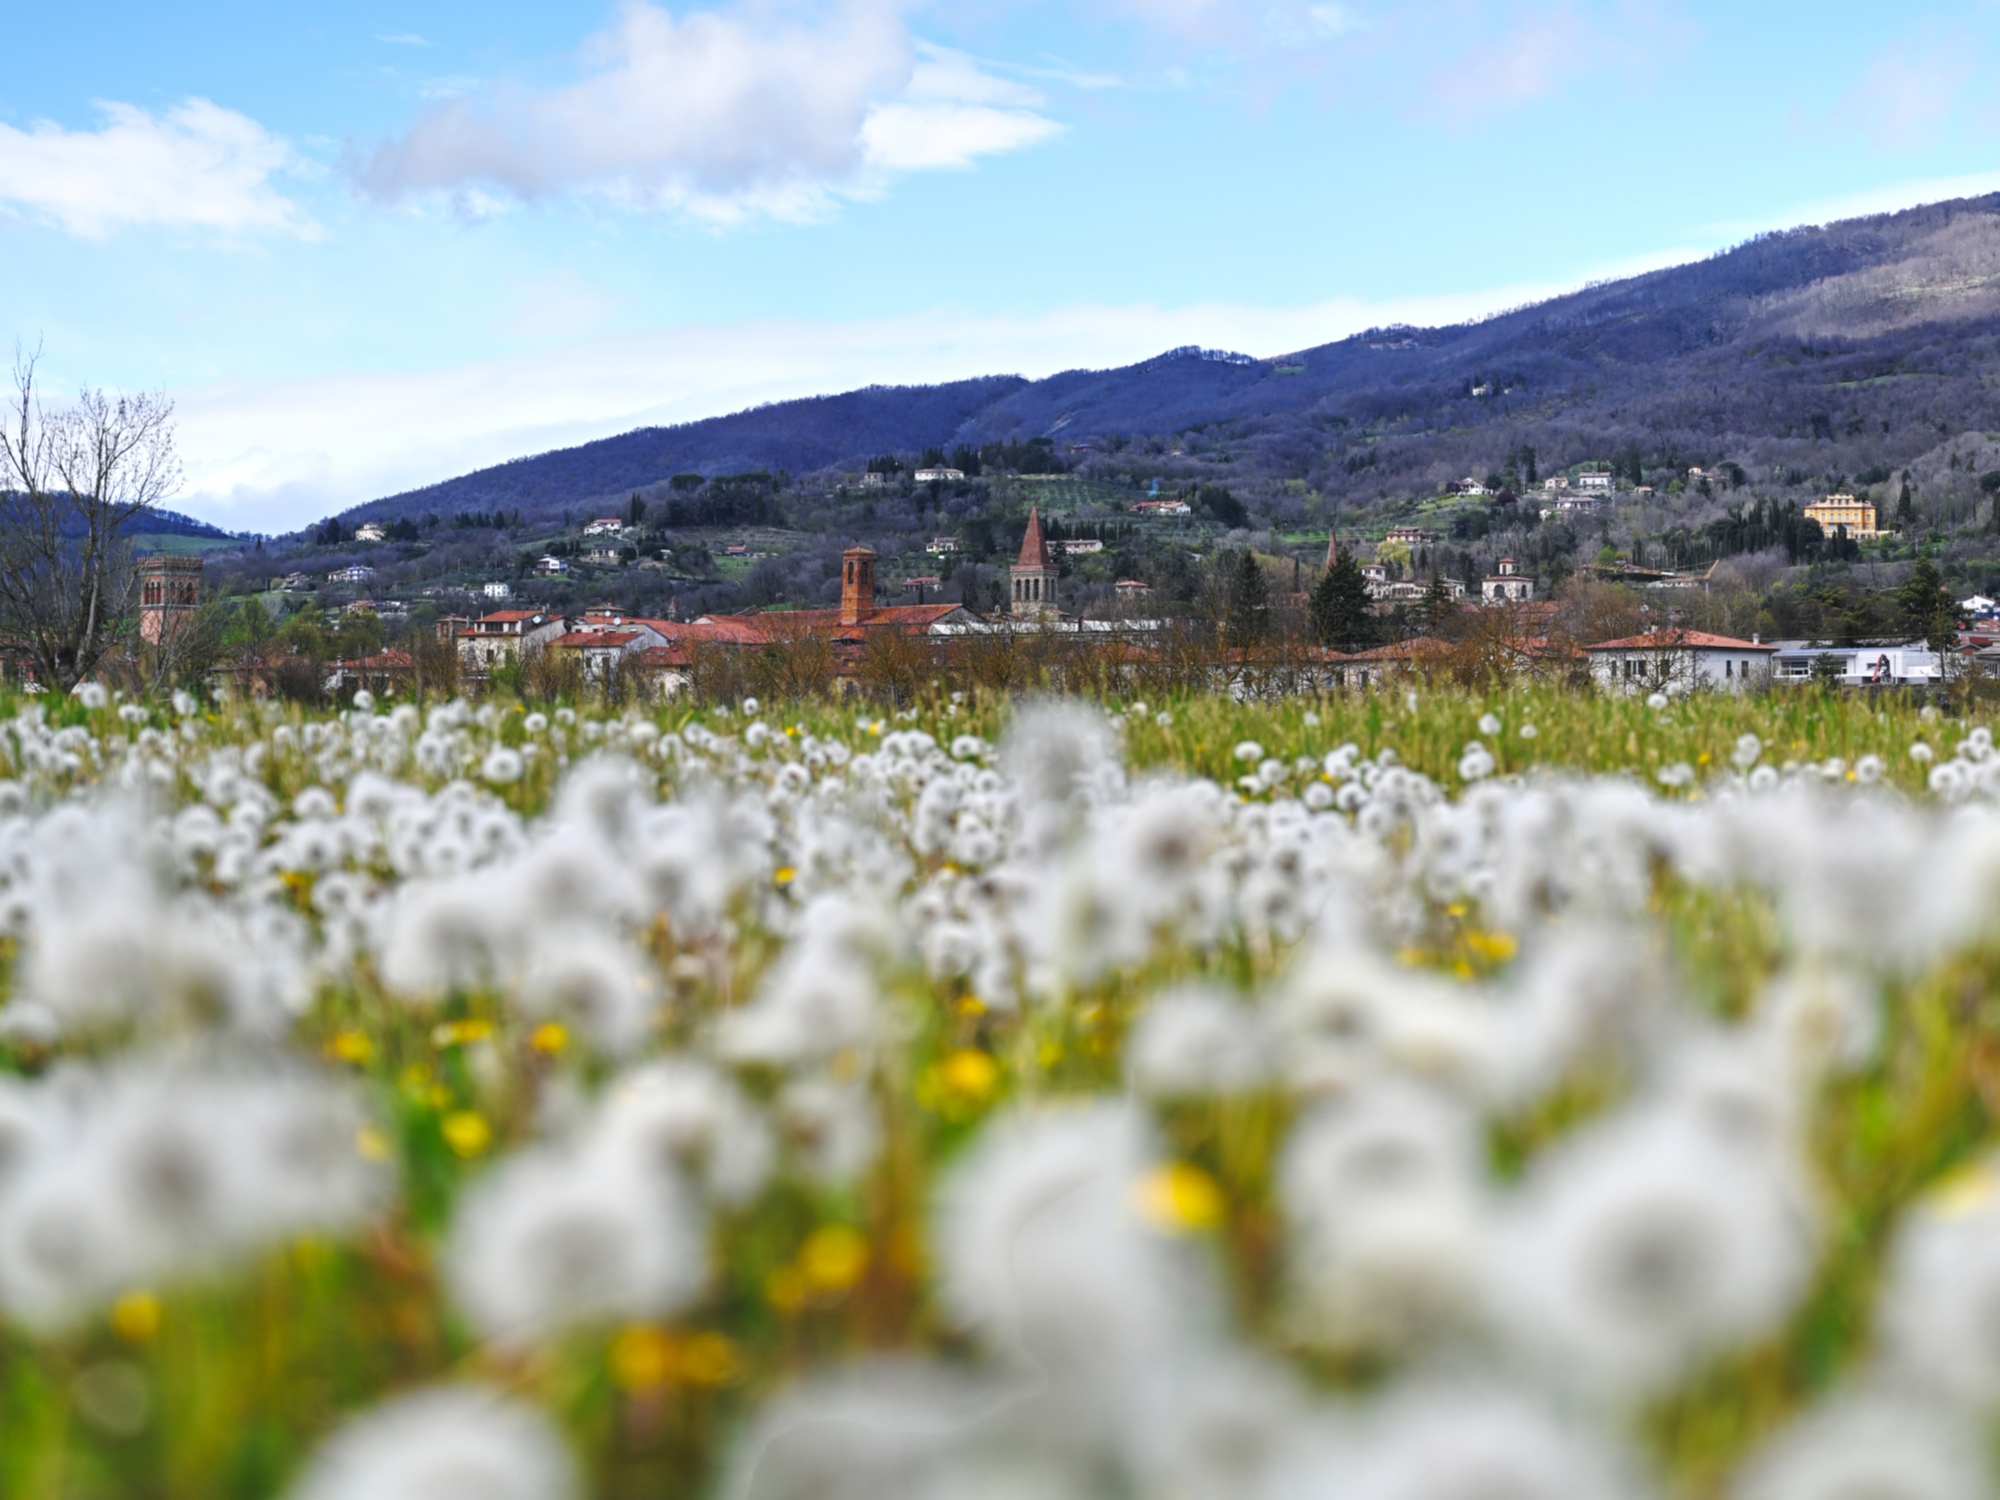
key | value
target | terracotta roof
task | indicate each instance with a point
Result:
(507, 616)
(1674, 639)
(1034, 550)
(755, 630)
(597, 638)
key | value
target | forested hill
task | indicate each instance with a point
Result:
(1815, 354)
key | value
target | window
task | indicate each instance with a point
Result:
(1729, 669)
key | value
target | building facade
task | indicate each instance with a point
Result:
(1679, 660)
(1507, 585)
(169, 594)
(1843, 515)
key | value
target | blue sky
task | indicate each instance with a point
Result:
(370, 245)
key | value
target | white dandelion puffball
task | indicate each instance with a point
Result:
(1873, 1443)
(441, 1444)
(502, 765)
(548, 1240)
(1643, 1246)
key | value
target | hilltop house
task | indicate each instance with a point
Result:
(938, 546)
(1843, 515)
(1162, 508)
(604, 526)
(497, 590)
(1594, 479)
(938, 475)
(358, 573)
(551, 566)
(371, 531)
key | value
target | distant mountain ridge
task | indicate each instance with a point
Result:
(1818, 351)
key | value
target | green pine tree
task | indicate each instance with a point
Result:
(1437, 606)
(1340, 614)
(1249, 601)
(1927, 607)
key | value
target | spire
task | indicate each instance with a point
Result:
(1034, 551)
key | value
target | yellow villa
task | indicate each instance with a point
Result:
(1856, 516)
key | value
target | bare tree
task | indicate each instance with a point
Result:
(70, 482)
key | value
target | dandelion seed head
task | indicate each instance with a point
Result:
(439, 1444)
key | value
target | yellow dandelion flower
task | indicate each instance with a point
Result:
(833, 1258)
(467, 1133)
(642, 1358)
(970, 1073)
(1180, 1198)
(549, 1038)
(351, 1046)
(135, 1317)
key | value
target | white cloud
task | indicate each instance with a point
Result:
(198, 166)
(401, 39)
(921, 137)
(1909, 89)
(278, 454)
(722, 113)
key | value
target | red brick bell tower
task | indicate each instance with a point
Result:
(857, 585)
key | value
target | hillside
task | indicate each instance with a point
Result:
(1806, 357)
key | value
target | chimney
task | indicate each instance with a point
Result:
(857, 585)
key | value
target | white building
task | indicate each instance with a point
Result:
(551, 567)
(938, 546)
(1573, 505)
(359, 573)
(500, 636)
(1594, 479)
(1902, 665)
(1471, 486)
(371, 532)
(1506, 586)
(1680, 660)
(497, 590)
(604, 526)
(1082, 546)
(938, 476)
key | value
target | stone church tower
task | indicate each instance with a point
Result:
(1035, 574)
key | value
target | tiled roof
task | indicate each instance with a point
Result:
(1034, 549)
(1672, 640)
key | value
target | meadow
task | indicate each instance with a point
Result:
(1416, 1096)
